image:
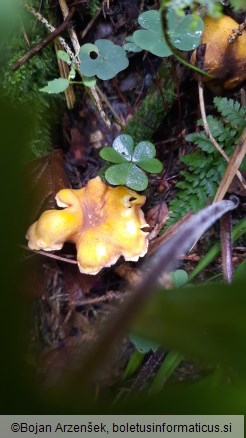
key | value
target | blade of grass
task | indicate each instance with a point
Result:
(133, 364)
(170, 363)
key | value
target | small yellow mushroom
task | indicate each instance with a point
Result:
(225, 61)
(104, 222)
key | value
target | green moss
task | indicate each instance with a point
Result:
(154, 107)
(92, 7)
(24, 84)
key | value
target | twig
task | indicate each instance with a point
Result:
(208, 132)
(237, 32)
(71, 31)
(147, 370)
(93, 92)
(51, 28)
(226, 247)
(235, 161)
(51, 256)
(64, 72)
(118, 120)
(73, 57)
(54, 34)
(76, 46)
(91, 22)
(109, 296)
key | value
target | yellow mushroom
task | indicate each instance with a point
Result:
(104, 222)
(225, 61)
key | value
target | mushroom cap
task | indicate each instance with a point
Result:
(225, 61)
(104, 222)
(115, 228)
(54, 227)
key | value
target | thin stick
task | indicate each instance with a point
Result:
(51, 256)
(147, 370)
(76, 46)
(208, 132)
(64, 72)
(90, 24)
(109, 296)
(92, 91)
(71, 31)
(235, 161)
(53, 35)
(51, 28)
(226, 247)
(118, 120)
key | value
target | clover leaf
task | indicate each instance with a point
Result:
(184, 31)
(130, 46)
(127, 174)
(152, 38)
(128, 161)
(103, 59)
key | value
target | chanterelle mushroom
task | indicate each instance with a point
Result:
(225, 61)
(104, 222)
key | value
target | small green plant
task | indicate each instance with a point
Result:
(103, 59)
(109, 59)
(128, 161)
(205, 166)
(184, 31)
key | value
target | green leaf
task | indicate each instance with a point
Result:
(203, 323)
(152, 42)
(143, 150)
(127, 174)
(201, 140)
(117, 174)
(238, 4)
(111, 155)
(185, 31)
(72, 73)
(240, 273)
(169, 365)
(64, 56)
(151, 165)
(130, 46)
(133, 364)
(89, 82)
(87, 49)
(151, 39)
(231, 110)
(56, 86)
(123, 144)
(179, 277)
(109, 60)
(143, 345)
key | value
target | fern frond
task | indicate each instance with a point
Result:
(231, 110)
(205, 167)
